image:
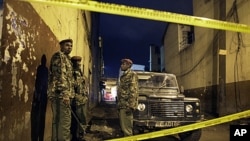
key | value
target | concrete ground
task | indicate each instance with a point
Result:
(105, 126)
(216, 133)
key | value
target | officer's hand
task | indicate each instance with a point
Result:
(66, 101)
(52, 99)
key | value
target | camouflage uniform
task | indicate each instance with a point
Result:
(61, 83)
(79, 104)
(127, 100)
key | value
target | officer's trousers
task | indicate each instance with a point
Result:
(78, 130)
(126, 121)
(61, 121)
(81, 113)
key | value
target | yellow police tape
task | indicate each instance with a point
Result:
(166, 132)
(157, 15)
(144, 13)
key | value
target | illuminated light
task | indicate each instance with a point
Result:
(141, 107)
(189, 108)
(197, 104)
(197, 111)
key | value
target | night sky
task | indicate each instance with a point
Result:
(128, 37)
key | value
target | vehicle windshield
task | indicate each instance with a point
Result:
(157, 80)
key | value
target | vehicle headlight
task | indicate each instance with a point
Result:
(197, 104)
(189, 108)
(197, 111)
(141, 106)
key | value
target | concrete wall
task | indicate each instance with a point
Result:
(238, 46)
(29, 32)
(203, 69)
(237, 58)
(171, 50)
(69, 23)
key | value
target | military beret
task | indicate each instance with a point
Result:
(127, 60)
(76, 58)
(65, 40)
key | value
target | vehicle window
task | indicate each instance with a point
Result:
(157, 81)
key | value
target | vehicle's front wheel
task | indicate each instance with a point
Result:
(137, 131)
(194, 135)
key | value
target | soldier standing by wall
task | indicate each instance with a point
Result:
(127, 96)
(61, 91)
(79, 104)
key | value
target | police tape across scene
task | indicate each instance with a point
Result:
(163, 16)
(190, 127)
(150, 14)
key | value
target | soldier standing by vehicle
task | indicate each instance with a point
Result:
(127, 96)
(61, 91)
(79, 104)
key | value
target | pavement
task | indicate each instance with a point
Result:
(218, 132)
(105, 126)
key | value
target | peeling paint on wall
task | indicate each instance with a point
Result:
(14, 74)
(27, 120)
(19, 45)
(16, 27)
(26, 98)
(6, 55)
(25, 39)
(20, 90)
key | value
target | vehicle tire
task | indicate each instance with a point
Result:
(137, 131)
(194, 135)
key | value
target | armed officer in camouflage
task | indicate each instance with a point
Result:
(127, 96)
(61, 91)
(79, 104)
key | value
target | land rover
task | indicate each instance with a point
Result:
(162, 105)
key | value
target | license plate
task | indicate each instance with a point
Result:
(167, 123)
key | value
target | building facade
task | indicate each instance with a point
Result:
(30, 32)
(212, 64)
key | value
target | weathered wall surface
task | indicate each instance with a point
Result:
(25, 38)
(28, 33)
(237, 58)
(65, 23)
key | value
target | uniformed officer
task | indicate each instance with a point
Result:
(61, 91)
(79, 104)
(127, 96)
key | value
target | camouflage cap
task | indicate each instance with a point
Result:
(127, 60)
(65, 40)
(76, 58)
